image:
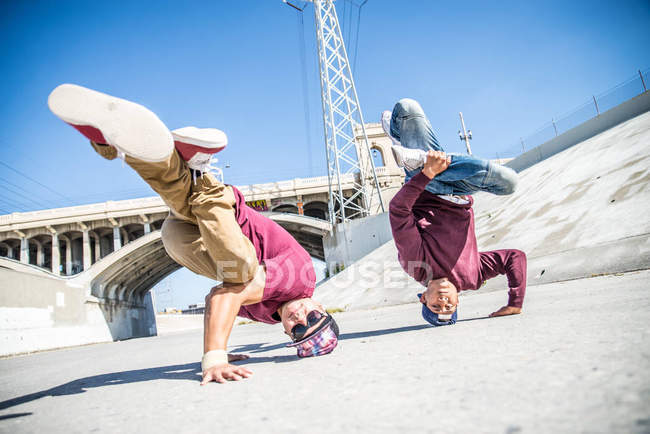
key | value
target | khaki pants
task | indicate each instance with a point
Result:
(202, 233)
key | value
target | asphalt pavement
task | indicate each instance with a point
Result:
(576, 360)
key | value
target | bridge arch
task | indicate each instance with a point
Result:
(316, 209)
(13, 247)
(286, 208)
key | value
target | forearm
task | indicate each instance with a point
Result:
(513, 264)
(220, 313)
(516, 267)
(401, 205)
(402, 221)
(222, 306)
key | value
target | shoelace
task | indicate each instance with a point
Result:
(205, 164)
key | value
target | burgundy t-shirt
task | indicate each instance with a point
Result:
(289, 269)
(435, 238)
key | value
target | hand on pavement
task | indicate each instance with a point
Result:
(436, 163)
(506, 310)
(223, 373)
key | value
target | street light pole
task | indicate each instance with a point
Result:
(466, 135)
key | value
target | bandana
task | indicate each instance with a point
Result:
(321, 342)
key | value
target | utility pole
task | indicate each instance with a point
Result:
(465, 135)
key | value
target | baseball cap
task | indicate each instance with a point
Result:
(437, 320)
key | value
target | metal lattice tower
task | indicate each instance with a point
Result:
(349, 164)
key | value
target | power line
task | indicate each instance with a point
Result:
(356, 43)
(13, 203)
(34, 181)
(349, 24)
(305, 86)
(345, 21)
(20, 187)
(22, 196)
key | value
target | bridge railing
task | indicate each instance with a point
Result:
(108, 207)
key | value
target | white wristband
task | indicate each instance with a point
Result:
(213, 358)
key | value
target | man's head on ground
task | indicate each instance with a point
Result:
(440, 301)
(312, 330)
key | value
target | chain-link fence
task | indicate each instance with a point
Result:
(595, 106)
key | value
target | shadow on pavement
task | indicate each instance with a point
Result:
(188, 371)
(14, 415)
(473, 319)
(260, 348)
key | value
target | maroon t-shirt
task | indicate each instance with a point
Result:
(435, 238)
(289, 269)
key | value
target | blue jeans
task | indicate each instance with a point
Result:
(465, 175)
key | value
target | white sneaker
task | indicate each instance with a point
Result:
(106, 120)
(197, 146)
(385, 124)
(410, 159)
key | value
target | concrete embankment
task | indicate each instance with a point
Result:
(580, 213)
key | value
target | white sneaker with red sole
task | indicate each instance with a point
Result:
(197, 146)
(129, 127)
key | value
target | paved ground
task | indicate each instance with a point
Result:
(577, 360)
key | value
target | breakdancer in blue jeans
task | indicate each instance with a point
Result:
(433, 222)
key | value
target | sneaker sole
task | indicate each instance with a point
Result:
(129, 127)
(211, 139)
(385, 125)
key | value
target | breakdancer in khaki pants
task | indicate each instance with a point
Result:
(267, 276)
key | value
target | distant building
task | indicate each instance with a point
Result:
(194, 309)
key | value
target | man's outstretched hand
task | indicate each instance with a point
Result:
(436, 163)
(227, 372)
(506, 310)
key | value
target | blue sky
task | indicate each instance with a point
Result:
(509, 67)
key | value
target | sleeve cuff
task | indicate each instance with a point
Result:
(515, 300)
(420, 180)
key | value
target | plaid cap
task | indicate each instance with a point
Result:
(322, 341)
(433, 318)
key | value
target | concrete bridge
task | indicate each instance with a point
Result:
(67, 241)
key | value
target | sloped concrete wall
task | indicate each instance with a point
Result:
(39, 313)
(580, 213)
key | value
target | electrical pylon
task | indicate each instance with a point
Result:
(350, 166)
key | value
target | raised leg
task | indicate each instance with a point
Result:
(465, 175)
(214, 246)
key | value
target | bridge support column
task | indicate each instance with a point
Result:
(56, 255)
(98, 248)
(68, 256)
(117, 244)
(86, 250)
(146, 223)
(39, 254)
(24, 250)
